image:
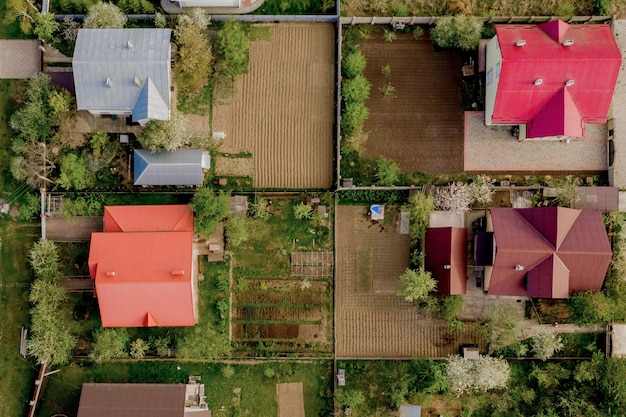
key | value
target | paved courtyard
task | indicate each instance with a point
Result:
(19, 58)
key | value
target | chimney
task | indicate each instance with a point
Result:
(178, 272)
(519, 267)
(129, 44)
(538, 81)
(109, 82)
(110, 273)
(447, 266)
(568, 42)
(137, 81)
(569, 83)
(520, 42)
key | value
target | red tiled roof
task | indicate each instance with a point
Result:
(447, 246)
(592, 62)
(562, 251)
(144, 277)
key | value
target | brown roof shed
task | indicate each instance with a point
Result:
(549, 252)
(446, 258)
(132, 400)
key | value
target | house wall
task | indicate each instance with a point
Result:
(494, 58)
(100, 112)
(209, 3)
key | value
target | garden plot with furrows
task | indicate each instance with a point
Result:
(283, 108)
(418, 123)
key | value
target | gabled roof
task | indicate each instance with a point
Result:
(180, 167)
(157, 218)
(551, 108)
(142, 266)
(122, 70)
(132, 400)
(549, 252)
(446, 258)
(150, 105)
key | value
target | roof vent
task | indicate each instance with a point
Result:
(447, 266)
(110, 273)
(568, 42)
(137, 81)
(538, 81)
(129, 44)
(520, 42)
(178, 272)
(519, 267)
(109, 82)
(569, 83)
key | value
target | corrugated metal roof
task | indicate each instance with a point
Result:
(132, 400)
(150, 105)
(526, 239)
(447, 246)
(180, 167)
(592, 62)
(126, 58)
(148, 218)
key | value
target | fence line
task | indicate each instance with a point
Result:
(431, 20)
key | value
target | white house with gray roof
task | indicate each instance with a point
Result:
(123, 72)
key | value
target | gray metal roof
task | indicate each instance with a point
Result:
(111, 65)
(181, 167)
(150, 105)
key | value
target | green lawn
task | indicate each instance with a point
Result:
(258, 392)
(17, 374)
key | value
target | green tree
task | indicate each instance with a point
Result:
(353, 116)
(261, 209)
(356, 89)
(459, 31)
(25, 11)
(387, 171)
(61, 103)
(45, 26)
(98, 140)
(136, 6)
(166, 135)
(161, 345)
(302, 211)
(353, 64)
(138, 348)
(416, 284)
(103, 15)
(590, 308)
(420, 205)
(194, 64)
(545, 345)
(500, 328)
(232, 48)
(614, 384)
(203, 342)
(159, 20)
(53, 346)
(236, 231)
(349, 397)
(470, 376)
(210, 209)
(45, 260)
(74, 173)
(109, 344)
(33, 121)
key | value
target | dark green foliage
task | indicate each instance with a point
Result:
(232, 49)
(74, 173)
(354, 114)
(373, 196)
(448, 307)
(387, 172)
(353, 64)
(590, 308)
(210, 209)
(135, 6)
(355, 89)
(109, 344)
(602, 7)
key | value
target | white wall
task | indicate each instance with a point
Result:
(209, 3)
(494, 57)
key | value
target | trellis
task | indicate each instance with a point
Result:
(312, 264)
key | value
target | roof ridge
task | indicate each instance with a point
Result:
(517, 213)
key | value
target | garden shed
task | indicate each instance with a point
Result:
(616, 340)
(142, 264)
(446, 258)
(123, 72)
(183, 167)
(409, 410)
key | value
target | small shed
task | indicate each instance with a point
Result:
(471, 352)
(238, 205)
(409, 410)
(181, 167)
(615, 340)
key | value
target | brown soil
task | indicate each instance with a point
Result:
(421, 125)
(290, 399)
(282, 111)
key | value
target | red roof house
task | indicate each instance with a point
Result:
(142, 266)
(549, 252)
(446, 258)
(550, 78)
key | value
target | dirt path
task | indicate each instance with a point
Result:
(290, 399)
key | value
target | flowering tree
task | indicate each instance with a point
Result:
(469, 376)
(415, 285)
(480, 190)
(455, 197)
(545, 345)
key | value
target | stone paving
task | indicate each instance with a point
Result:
(494, 149)
(19, 58)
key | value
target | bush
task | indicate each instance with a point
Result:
(104, 15)
(387, 172)
(500, 328)
(449, 307)
(354, 115)
(228, 371)
(232, 47)
(210, 209)
(355, 90)
(590, 308)
(138, 348)
(420, 205)
(302, 211)
(416, 284)
(353, 64)
(545, 345)
(136, 6)
(109, 344)
(602, 7)
(457, 32)
(236, 231)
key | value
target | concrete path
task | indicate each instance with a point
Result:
(617, 173)
(19, 58)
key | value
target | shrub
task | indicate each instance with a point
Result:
(210, 209)
(136, 6)
(385, 70)
(387, 172)
(356, 89)
(449, 307)
(354, 115)
(455, 197)
(74, 173)
(545, 345)
(420, 205)
(236, 231)
(590, 308)
(416, 284)
(602, 7)
(232, 47)
(418, 32)
(353, 64)
(269, 372)
(103, 15)
(481, 191)
(458, 32)
(500, 328)
(260, 209)
(228, 371)
(390, 35)
(138, 348)
(161, 346)
(109, 344)
(400, 9)
(302, 211)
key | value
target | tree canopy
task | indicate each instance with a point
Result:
(45, 26)
(210, 209)
(459, 31)
(109, 344)
(74, 173)
(416, 284)
(194, 64)
(44, 258)
(166, 135)
(468, 376)
(232, 47)
(103, 15)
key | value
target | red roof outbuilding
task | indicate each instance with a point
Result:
(549, 252)
(446, 258)
(142, 266)
(555, 77)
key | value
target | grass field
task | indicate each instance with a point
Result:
(282, 111)
(258, 392)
